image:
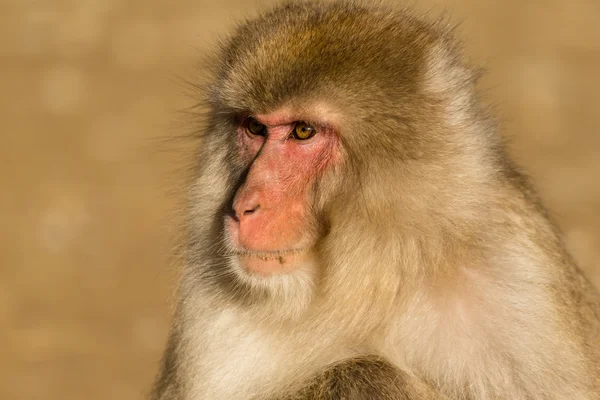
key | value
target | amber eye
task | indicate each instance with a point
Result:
(303, 131)
(255, 127)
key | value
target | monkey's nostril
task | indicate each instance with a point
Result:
(252, 210)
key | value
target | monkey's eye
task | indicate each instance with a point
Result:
(303, 131)
(255, 127)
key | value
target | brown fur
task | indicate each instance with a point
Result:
(363, 378)
(438, 273)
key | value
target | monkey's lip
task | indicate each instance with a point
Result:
(273, 262)
(269, 254)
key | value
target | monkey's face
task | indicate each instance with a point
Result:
(318, 127)
(273, 228)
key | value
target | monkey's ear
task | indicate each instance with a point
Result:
(446, 70)
(449, 79)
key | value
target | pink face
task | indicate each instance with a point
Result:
(271, 229)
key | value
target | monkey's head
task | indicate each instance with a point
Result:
(335, 131)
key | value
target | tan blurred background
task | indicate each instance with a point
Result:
(88, 91)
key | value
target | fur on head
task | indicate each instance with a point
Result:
(414, 163)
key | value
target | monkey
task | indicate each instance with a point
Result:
(357, 230)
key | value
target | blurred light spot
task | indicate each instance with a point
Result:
(62, 89)
(115, 136)
(79, 30)
(97, 7)
(539, 98)
(138, 45)
(107, 136)
(146, 111)
(540, 82)
(62, 222)
(34, 36)
(569, 184)
(188, 34)
(8, 306)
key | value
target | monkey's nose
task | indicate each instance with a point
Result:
(251, 210)
(247, 203)
(243, 211)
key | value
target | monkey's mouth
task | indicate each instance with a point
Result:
(273, 262)
(264, 261)
(279, 255)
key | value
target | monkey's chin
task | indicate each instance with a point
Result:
(273, 283)
(273, 263)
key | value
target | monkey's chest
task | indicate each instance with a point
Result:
(465, 341)
(241, 361)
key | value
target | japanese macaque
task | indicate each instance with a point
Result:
(357, 230)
